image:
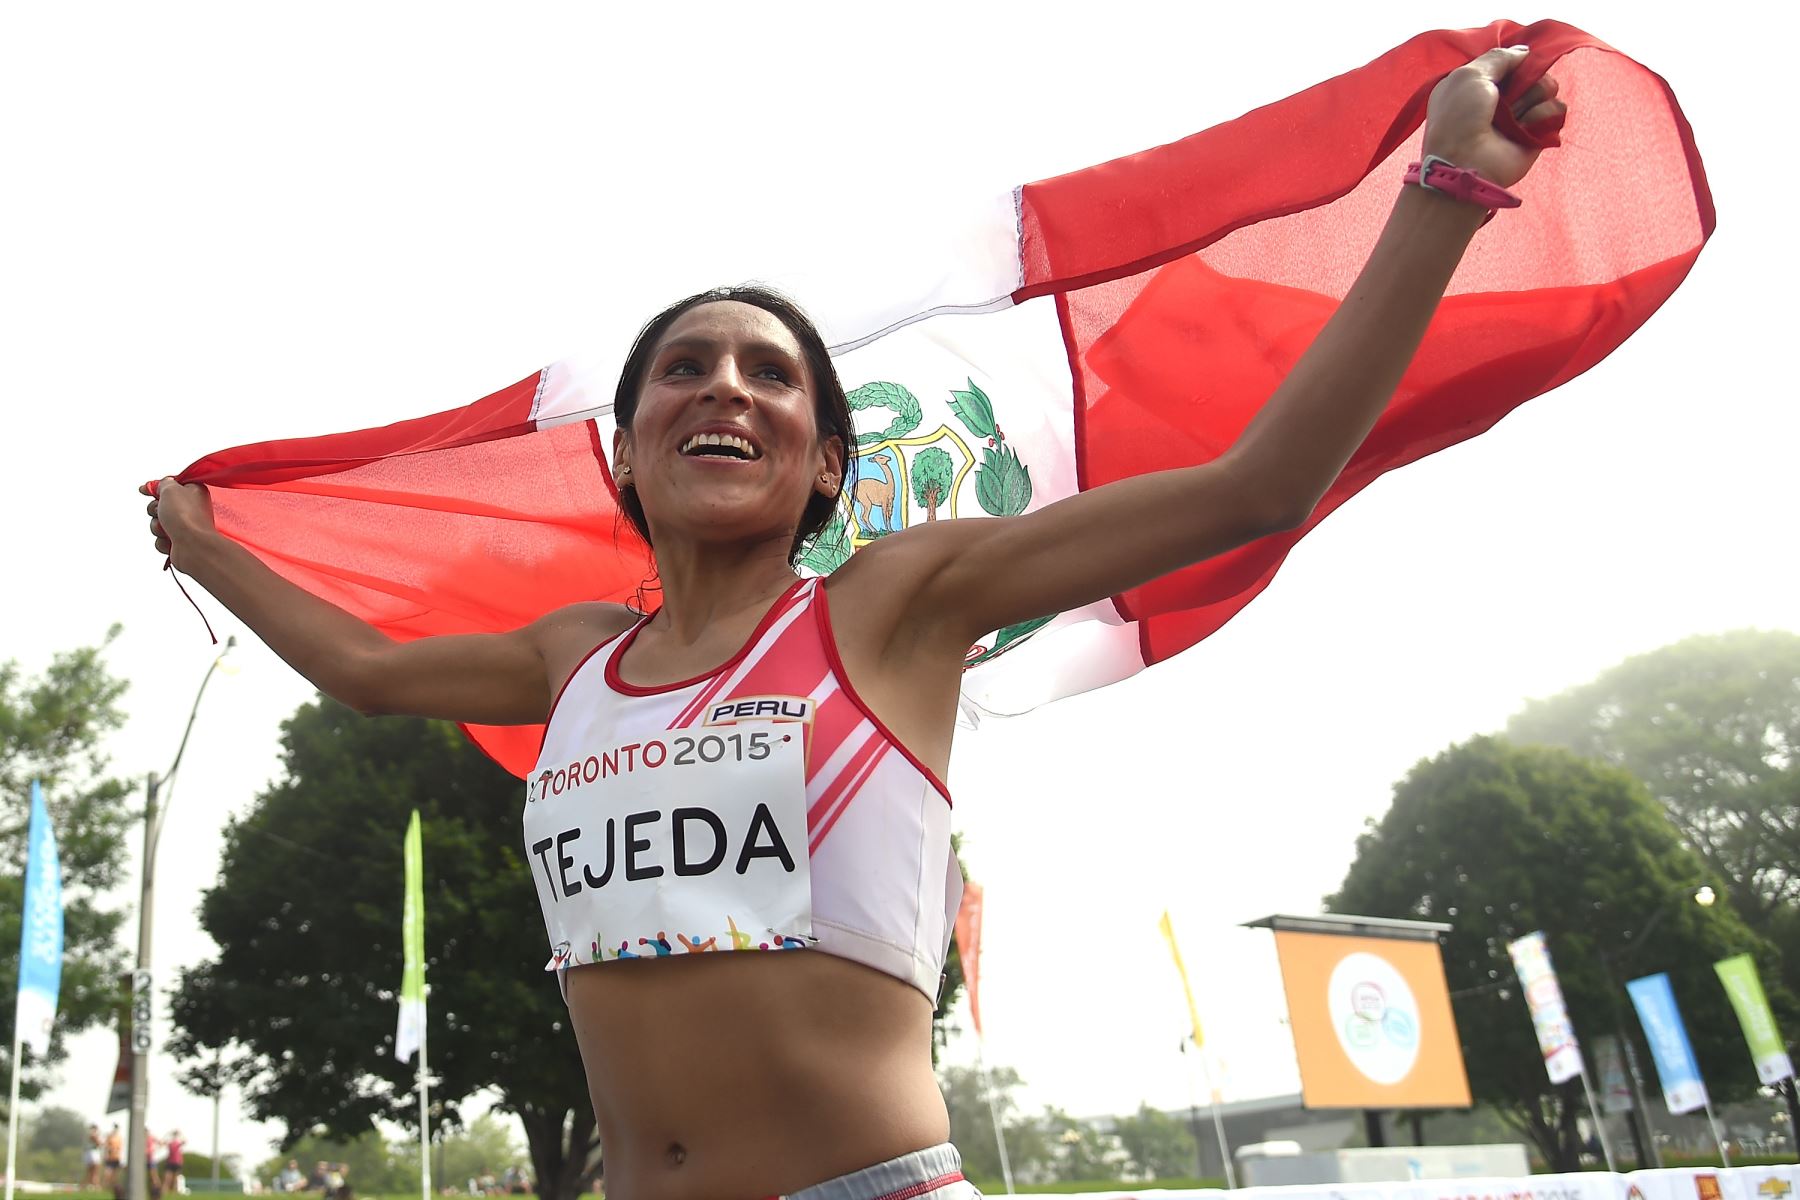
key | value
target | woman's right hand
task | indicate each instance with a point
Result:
(179, 512)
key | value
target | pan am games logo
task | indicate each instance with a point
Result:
(1375, 1016)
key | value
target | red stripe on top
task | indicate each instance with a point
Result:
(822, 610)
(869, 749)
(851, 792)
(618, 684)
(775, 659)
(833, 721)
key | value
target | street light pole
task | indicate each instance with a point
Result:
(143, 995)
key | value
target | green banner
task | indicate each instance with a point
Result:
(1738, 974)
(410, 1032)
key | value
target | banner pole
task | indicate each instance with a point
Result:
(987, 1085)
(1218, 1120)
(1599, 1124)
(424, 1123)
(12, 1113)
(1718, 1138)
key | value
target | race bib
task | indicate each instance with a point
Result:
(689, 842)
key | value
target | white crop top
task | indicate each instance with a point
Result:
(647, 831)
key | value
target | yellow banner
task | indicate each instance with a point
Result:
(1168, 932)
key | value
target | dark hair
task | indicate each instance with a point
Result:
(832, 409)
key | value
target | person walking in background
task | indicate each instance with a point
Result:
(114, 1157)
(90, 1160)
(173, 1160)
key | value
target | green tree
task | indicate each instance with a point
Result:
(1711, 725)
(373, 1168)
(53, 727)
(966, 1093)
(306, 913)
(1157, 1145)
(933, 474)
(1500, 841)
(1081, 1152)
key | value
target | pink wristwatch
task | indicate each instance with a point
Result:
(1459, 183)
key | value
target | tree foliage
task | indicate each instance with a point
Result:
(53, 728)
(306, 914)
(1157, 1145)
(1712, 726)
(1500, 841)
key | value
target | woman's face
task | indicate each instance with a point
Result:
(724, 445)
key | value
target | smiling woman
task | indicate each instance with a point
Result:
(737, 820)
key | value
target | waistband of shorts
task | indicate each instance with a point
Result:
(915, 1175)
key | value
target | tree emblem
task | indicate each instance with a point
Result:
(933, 474)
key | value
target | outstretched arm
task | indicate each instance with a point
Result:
(990, 573)
(487, 679)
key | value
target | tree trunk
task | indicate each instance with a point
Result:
(931, 503)
(564, 1166)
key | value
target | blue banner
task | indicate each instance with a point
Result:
(1676, 1067)
(41, 932)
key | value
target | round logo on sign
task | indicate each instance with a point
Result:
(1375, 1015)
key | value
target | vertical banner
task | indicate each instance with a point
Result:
(968, 946)
(1615, 1083)
(41, 932)
(1168, 932)
(1676, 1067)
(1738, 974)
(1549, 1015)
(410, 1031)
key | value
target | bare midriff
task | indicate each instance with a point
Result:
(740, 1075)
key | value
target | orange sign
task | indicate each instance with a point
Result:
(1371, 1021)
(968, 946)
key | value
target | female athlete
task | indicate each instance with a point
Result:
(756, 763)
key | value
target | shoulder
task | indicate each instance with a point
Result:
(575, 629)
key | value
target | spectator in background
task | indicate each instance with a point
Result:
(290, 1179)
(90, 1161)
(173, 1160)
(114, 1157)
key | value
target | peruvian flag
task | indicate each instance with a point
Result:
(1125, 318)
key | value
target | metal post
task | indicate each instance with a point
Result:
(1792, 1096)
(12, 1113)
(1218, 1122)
(987, 1085)
(143, 998)
(1600, 1133)
(143, 993)
(218, 1095)
(1719, 1138)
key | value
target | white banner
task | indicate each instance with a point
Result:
(1549, 1015)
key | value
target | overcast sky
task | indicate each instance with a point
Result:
(228, 223)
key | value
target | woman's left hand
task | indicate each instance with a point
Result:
(1459, 119)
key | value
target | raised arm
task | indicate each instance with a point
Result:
(486, 679)
(975, 576)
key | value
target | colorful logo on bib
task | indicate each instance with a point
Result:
(661, 946)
